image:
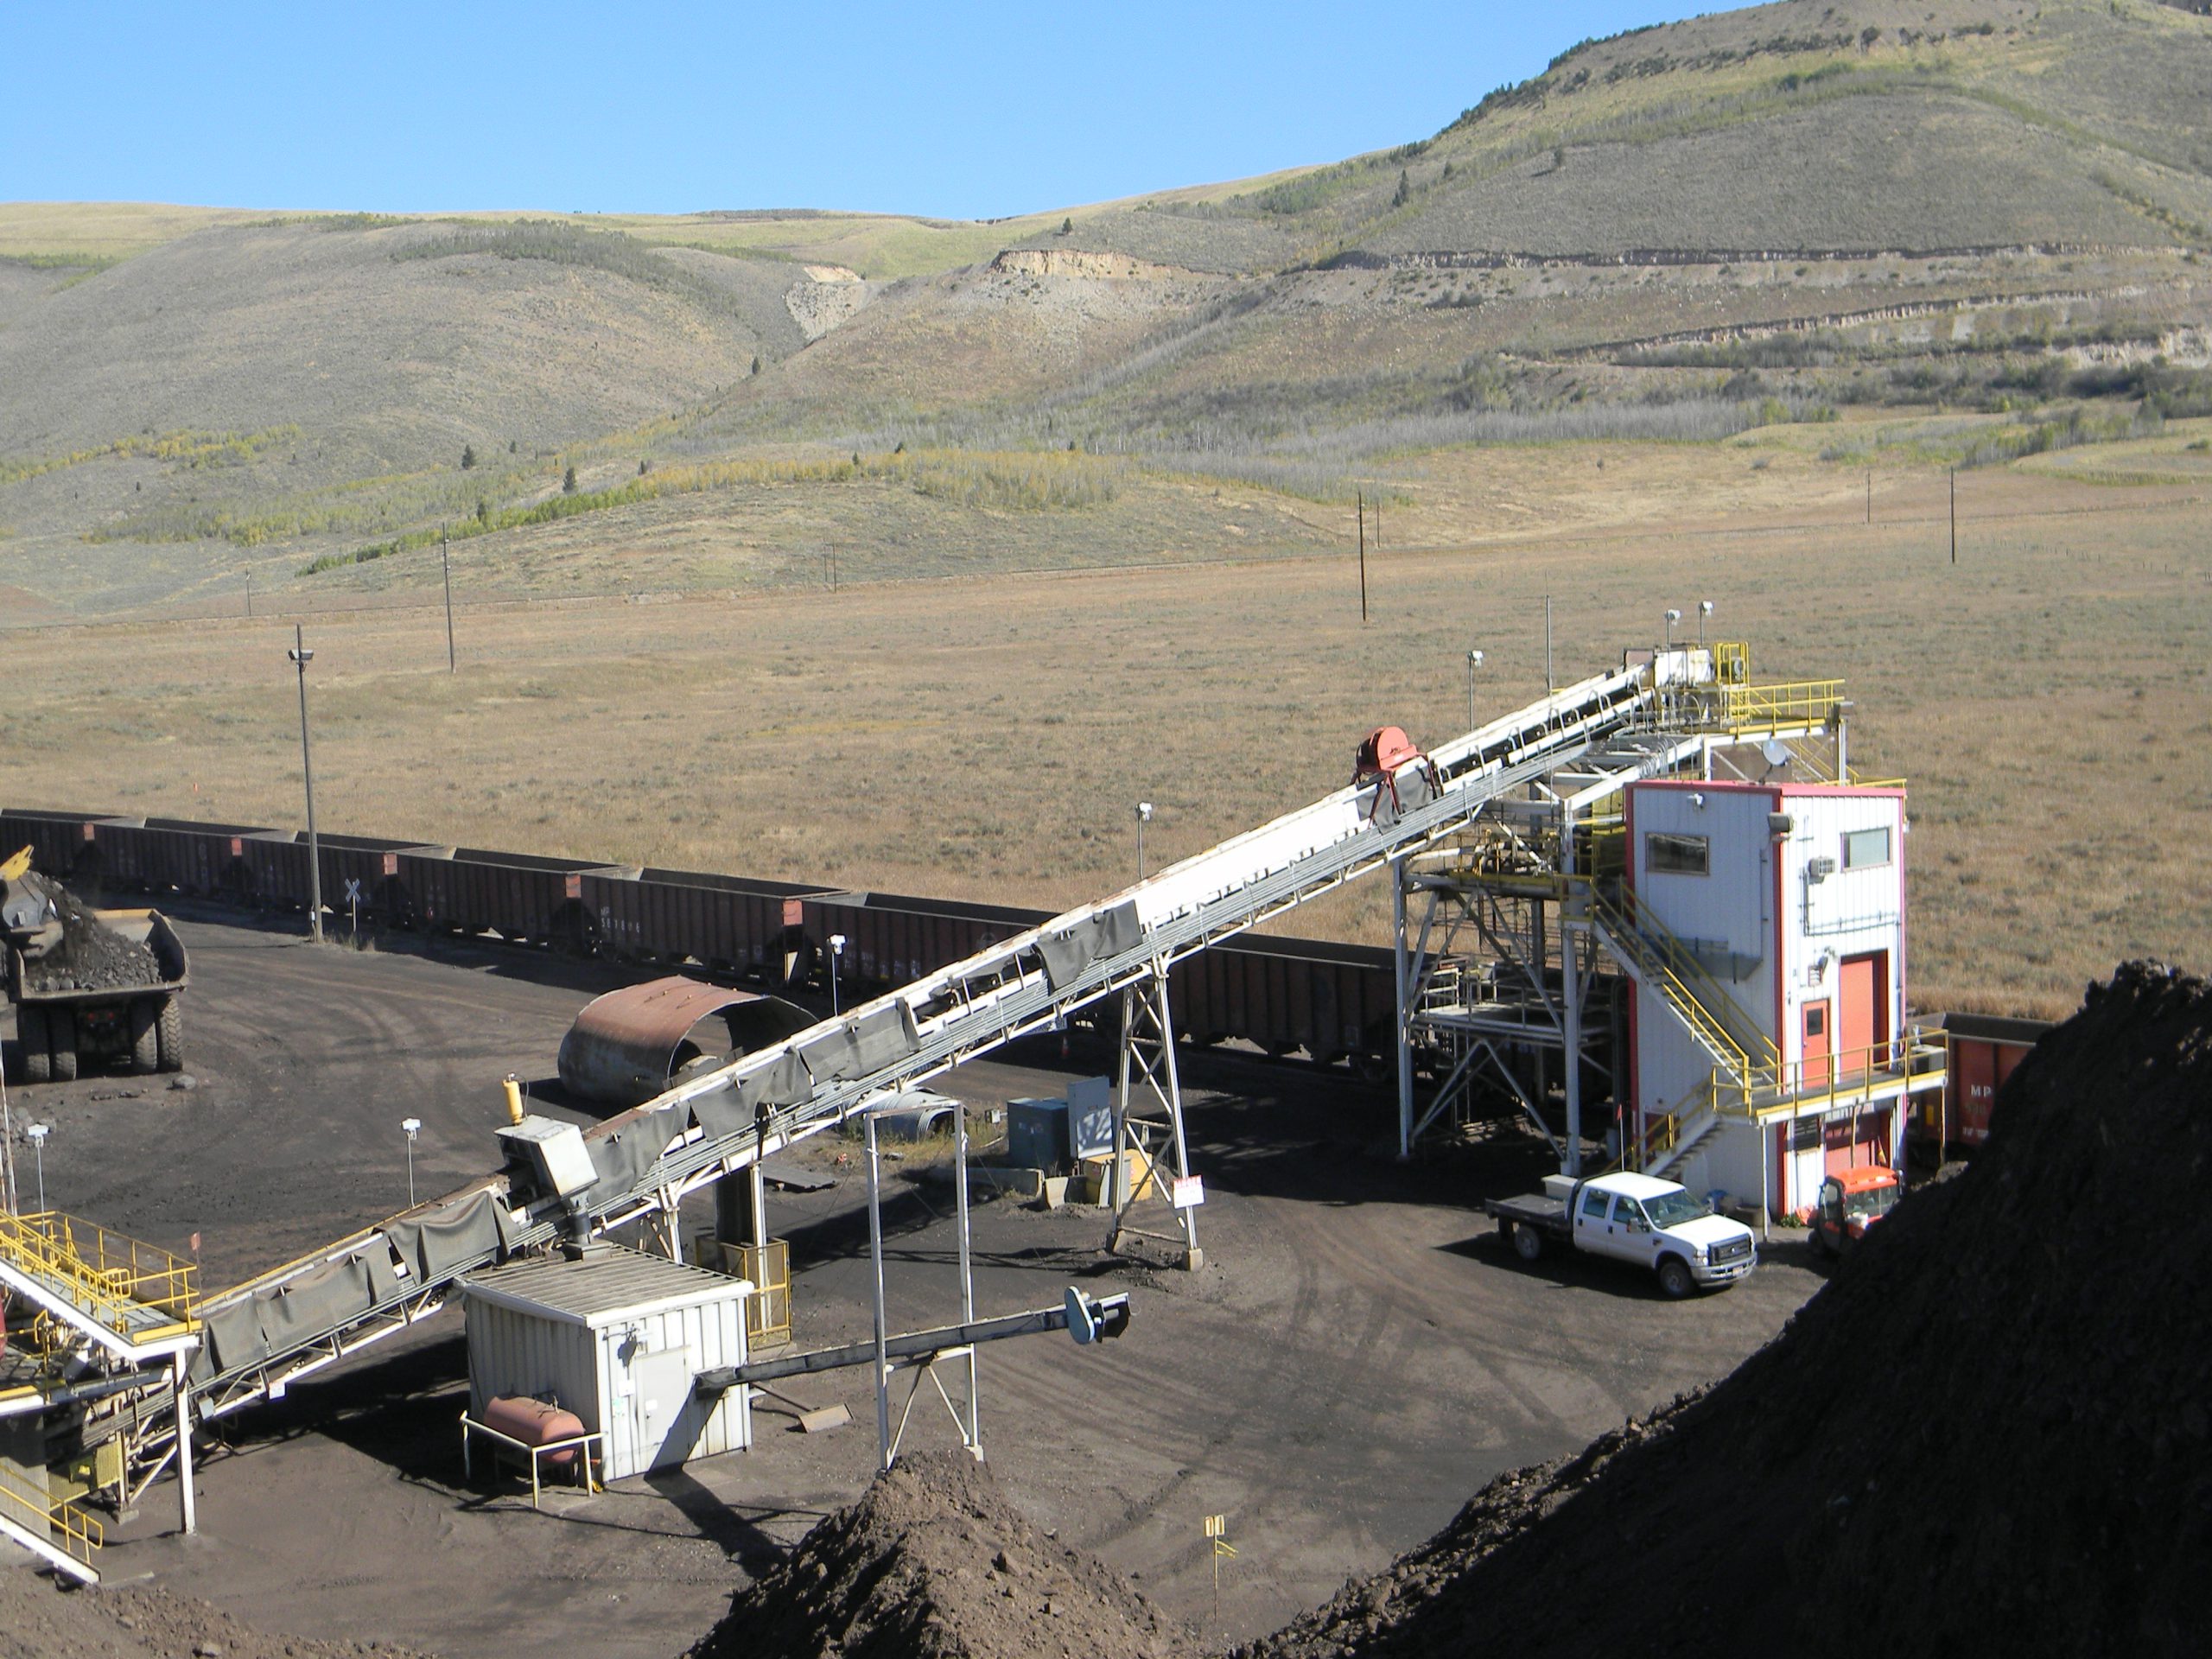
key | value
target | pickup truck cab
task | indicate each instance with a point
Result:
(1639, 1219)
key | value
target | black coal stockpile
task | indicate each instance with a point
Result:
(90, 958)
(1990, 1433)
(933, 1563)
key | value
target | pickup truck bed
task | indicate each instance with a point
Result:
(1545, 1215)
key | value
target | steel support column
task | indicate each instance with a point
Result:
(187, 1499)
(1402, 1028)
(1147, 1058)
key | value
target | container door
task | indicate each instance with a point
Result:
(1816, 1071)
(1863, 1029)
(660, 1404)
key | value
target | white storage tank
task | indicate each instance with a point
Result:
(616, 1338)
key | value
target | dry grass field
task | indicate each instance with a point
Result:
(986, 735)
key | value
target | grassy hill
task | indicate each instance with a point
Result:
(1671, 235)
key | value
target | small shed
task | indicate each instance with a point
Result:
(616, 1338)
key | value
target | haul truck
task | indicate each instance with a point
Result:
(88, 985)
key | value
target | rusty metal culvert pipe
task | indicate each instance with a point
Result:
(626, 1046)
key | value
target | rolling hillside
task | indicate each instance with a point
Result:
(1675, 234)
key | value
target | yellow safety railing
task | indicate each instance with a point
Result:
(1916, 1062)
(76, 1534)
(1671, 971)
(110, 1276)
(1746, 710)
(1731, 662)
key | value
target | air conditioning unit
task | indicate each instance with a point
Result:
(1818, 869)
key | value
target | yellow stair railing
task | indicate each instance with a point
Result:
(112, 1278)
(69, 1528)
(1670, 970)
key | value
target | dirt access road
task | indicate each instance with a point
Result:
(1355, 1357)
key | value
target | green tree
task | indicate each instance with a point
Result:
(756, 365)
(1067, 226)
(513, 446)
(468, 456)
(1867, 37)
(1405, 189)
(568, 482)
(483, 511)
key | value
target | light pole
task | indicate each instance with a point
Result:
(1144, 816)
(38, 1131)
(413, 1126)
(836, 949)
(1474, 662)
(302, 657)
(1673, 617)
(1704, 610)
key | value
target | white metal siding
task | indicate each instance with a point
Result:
(1733, 906)
(593, 1370)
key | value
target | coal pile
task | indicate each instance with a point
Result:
(933, 1563)
(90, 958)
(38, 1621)
(1989, 1433)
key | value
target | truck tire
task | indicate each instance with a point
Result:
(145, 1036)
(62, 1043)
(1528, 1243)
(1675, 1278)
(30, 1038)
(168, 1035)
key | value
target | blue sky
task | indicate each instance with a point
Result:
(954, 110)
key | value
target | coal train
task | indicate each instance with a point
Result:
(1330, 1003)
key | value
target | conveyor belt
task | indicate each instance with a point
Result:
(308, 1313)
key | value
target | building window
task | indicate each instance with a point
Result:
(1665, 854)
(1863, 848)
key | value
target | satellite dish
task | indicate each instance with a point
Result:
(1776, 752)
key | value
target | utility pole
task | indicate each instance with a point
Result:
(249, 590)
(302, 657)
(1360, 500)
(1547, 645)
(1870, 495)
(445, 554)
(1954, 515)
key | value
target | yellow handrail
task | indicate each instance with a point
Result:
(82, 1537)
(1675, 973)
(105, 1274)
(1744, 710)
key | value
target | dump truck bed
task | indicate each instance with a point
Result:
(147, 927)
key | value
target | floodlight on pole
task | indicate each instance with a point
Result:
(1144, 816)
(1704, 610)
(37, 1133)
(302, 656)
(412, 1126)
(836, 949)
(1474, 662)
(1673, 617)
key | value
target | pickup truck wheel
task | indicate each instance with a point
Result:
(145, 1036)
(168, 1035)
(30, 1038)
(1675, 1277)
(62, 1043)
(1528, 1243)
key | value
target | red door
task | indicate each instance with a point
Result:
(1863, 1026)
(1815, 1072)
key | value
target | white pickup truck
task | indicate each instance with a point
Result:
(1652, 1224)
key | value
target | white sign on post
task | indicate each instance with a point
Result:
(1189, 1192)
